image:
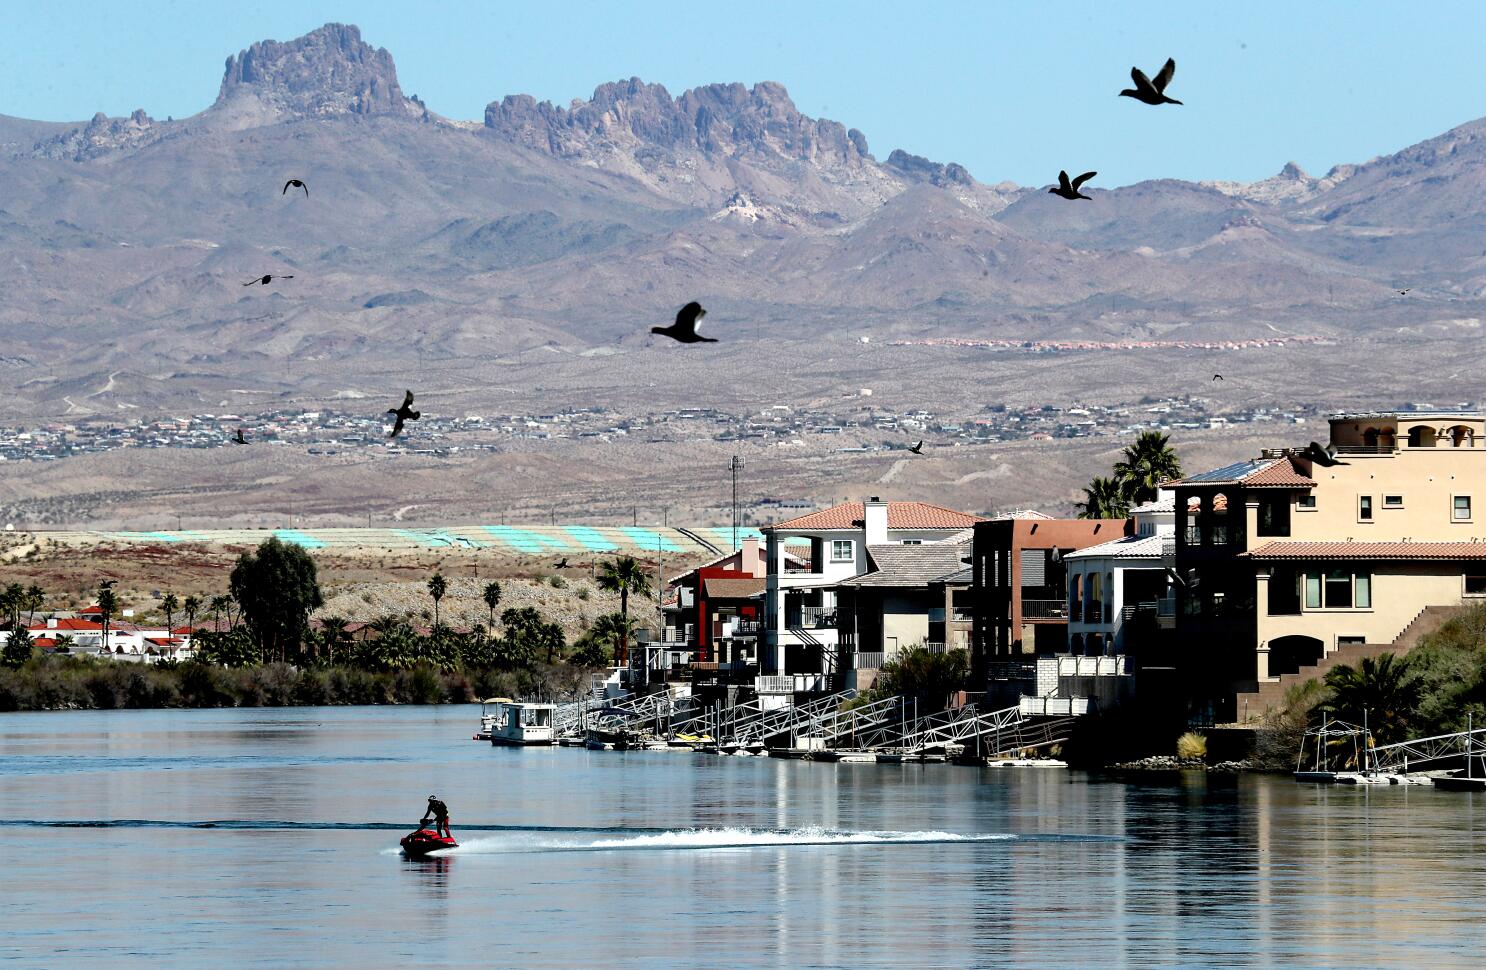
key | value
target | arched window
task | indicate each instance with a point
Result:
(1421, 436)
(1462, 436)
(1370, 437)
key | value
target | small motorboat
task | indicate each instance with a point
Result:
(418, 844)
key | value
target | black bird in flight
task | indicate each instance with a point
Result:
(1325, 457)
(239, 439)
(1148, 91)
(917, 449)
(1217, 377)
(1069, 190)
(1405, 291)
(685, 327)
(562, 564)
(404, 413)
(267, 279)
(297, 184)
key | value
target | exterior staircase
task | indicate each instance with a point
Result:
(1271, 694)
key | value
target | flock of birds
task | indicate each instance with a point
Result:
(1151, 91)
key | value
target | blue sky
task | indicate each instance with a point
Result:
(1010, 90)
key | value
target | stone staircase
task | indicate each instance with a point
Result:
(1271, 694)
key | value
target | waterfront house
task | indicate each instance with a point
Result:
(712, 618)
(911, 595)
(1019, 589)
(1118, 591)
(808, 557)
(1293, 561)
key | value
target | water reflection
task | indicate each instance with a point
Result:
(1193, 869)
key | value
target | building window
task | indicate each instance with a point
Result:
(913, 542)
(1364, 508)
(1348, 641)
(1338, 589)
(1475, 585)
(1460, 509)
(1306, 503)
(841, 550)
(1392, 501)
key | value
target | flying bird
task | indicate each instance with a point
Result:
(1325, 457)
(404, 413)
(1148, 91)
(296, 184)
(684, 329)
(267, 279)
(562, 563)
(917, 449)
(1405, 291)
(239, 439)
(1069, 190)
(1217, 377)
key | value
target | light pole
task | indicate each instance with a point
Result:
(737, 466)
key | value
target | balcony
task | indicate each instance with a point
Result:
(812, 618)
(1093, 612)
(1069, 666)
(869, 660)
(1364, 450)
(1054, 706)
(670, 634)
(1044, 610)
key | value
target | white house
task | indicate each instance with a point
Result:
(809, 555)
(1111, 583)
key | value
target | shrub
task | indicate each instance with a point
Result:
(1191, 746)
(558, 582)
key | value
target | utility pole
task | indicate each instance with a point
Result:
(737, 466)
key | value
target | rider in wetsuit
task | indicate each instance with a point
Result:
(439, 812)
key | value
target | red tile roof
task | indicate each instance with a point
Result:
(68, 625)
(1369, 550)
(900, 515)
(1282, 474)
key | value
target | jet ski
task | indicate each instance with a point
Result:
(418, 844)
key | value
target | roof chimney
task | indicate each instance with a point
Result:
(752, 564)
(874, 518)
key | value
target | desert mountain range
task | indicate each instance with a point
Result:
(567, 232)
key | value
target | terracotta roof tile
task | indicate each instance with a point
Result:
(900, 515)
(1369, 550)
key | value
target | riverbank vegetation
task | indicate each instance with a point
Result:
(269, 652)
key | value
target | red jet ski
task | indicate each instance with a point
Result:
(420, 843)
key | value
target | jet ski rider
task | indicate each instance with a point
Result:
(439, 812)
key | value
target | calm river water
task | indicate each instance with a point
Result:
(268, 838)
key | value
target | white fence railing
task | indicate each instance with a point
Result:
(1053, 706)
(1091, 666)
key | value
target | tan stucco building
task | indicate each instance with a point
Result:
(1283, 560)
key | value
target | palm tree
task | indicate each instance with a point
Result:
(437, 588)
(1384, 692)
(492, 600)
(35, 596)
(108, 605)
(190, 607)
(1106, 500)
(333, 628)
(624, 576)
(1147, 463)
(13, 598)
(169, 605)
(217, 605)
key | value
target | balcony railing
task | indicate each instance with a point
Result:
(869, 660)
(813, 618)
(935, 647)
(1044, 610)
(1365, 449)
(1093, 612)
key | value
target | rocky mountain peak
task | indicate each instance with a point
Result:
(728, 120)
(329, 71)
